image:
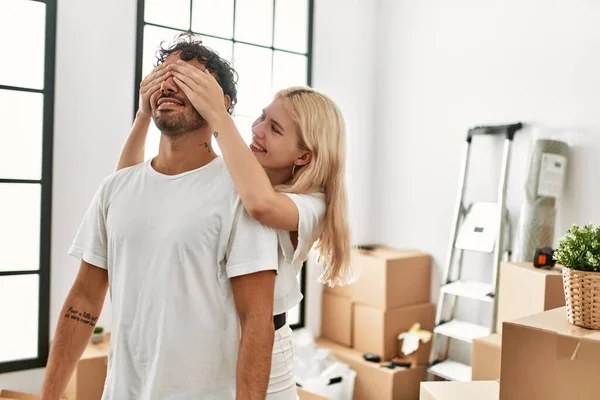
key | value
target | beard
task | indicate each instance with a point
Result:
(174, 123)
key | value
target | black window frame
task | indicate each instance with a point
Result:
(309, 54)
(46, 198)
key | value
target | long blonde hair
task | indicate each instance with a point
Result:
(321, 130)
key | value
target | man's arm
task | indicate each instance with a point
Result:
(75, 326)
(253, 295)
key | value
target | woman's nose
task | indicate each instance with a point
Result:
(258, 130)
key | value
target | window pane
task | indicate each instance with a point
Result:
(21, 135)
(20, 227)
(153, 37)
(223, 47)
(22, 38)
(253, 65)
(254, 21)
(288, 70)
(293, 315)
(213, 17)
(19, 297)
(171, 13)
(291, 25)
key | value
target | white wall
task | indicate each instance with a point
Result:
(445, 66)
(344, 65)
(95, 68)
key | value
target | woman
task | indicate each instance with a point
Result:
(290, 178)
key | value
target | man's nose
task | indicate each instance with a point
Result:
(169, 85)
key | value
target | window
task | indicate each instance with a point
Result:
(27, 34)
(269, 43)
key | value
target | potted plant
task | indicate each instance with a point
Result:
(579, 252)
(98, 335)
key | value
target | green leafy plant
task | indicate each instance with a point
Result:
(98, 330)
(579, 248)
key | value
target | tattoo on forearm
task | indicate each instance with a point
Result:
(83, 317)
(216, 134)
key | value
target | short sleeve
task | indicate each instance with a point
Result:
(252, 246)
(311, 211)
(90, 242)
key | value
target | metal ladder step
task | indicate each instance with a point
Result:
(451, 370)
(461, 330)
(473, 290)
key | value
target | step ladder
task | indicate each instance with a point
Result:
(482, 227)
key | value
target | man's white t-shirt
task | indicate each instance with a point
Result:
(171, 244)
(311, 213)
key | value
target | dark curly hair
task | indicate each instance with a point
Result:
(191, 48)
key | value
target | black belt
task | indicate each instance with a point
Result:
(279, 320)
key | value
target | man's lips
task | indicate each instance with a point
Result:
(168, 103)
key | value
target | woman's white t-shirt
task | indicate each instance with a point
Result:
(311, 210)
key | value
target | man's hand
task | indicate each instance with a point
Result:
(253, 295)
(202, 89)
(149, 86)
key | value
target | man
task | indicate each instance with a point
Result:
(191, 275)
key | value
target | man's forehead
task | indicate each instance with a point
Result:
(172, 58)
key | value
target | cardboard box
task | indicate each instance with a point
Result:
(389, 278)
(525, 290)
(345, 290)
(336, 319)
(376, 331)
(87, 382)
(482, 390)
(305, 395)
(12, 395)
(546, 357)
(374, 382)
(486, 355)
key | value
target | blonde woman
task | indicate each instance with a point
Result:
(290, 178)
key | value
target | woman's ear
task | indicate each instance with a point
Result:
(304, 158)
(227, 102)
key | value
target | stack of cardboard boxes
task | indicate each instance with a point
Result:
(391, 294)
(537, 353)
(523, 290)
(543, 357)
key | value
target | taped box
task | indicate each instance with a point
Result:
(525, 290)
(376, 382)
(546, 357)
(388, 278)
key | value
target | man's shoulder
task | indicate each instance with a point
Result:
(116, 179)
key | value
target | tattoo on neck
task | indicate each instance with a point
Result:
(80, 316)
(206, 146)
(216, 134)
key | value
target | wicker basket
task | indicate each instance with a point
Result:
(582, 296)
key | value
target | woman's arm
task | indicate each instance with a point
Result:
(133, 150)
(260, 200)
